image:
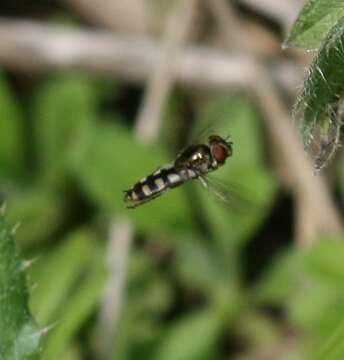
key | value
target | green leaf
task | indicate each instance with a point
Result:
(34, 207)
(149, 295)
(312, 292)
(152, 297)
(323, 84)
(206, 269)
(193, 337)
(78, 310)
(285, 269)
(332, 348)
(312, 282)
(315, 305)
(313, 23)
(19, 336)
(258, 329)
(324, 261)
(113, 161)
(136, 336)
(232, 224)
(63, 113)
(317, 310)
(11, 133)
(65, 265)
(74, 352)
(198, 265)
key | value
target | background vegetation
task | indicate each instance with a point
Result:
(93, 98)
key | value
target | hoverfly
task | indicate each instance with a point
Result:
(194, 162)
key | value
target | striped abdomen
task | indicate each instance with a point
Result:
(155, 184)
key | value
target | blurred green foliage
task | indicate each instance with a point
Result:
(312, 293)
(186, 295)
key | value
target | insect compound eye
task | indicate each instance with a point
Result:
(219, 152)
(220, 148)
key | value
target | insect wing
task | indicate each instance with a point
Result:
(234, 197)
(204, 129)
(203, 134)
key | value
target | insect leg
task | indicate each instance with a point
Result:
(203, 182)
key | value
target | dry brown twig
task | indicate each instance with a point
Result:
(129, 16)
(320, 214)
(163, 75)
(119, 243)
(37, 47)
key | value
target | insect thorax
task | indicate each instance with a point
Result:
(197, 158)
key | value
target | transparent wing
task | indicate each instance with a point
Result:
(203, 131)
(237, 199)
(202, 135)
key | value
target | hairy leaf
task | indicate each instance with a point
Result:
(322, 87)
(19, 336)
(313, 23)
